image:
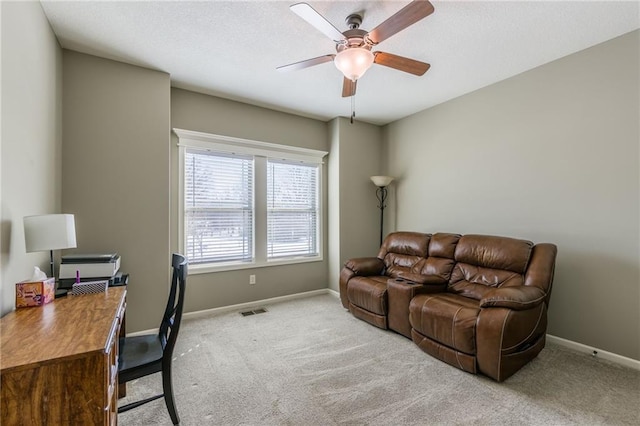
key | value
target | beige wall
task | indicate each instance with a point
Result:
(333, 205)
(115, 176)
(203, 113)
(551, 155)
(355, 227)
(31, 137)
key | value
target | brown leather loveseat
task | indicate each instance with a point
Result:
(477, 302)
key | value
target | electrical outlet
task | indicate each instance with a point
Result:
(252, 279)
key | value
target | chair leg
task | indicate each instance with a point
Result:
(168, 395)
(136, 404)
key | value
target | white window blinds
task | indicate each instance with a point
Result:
(218, 207)
(292, 209)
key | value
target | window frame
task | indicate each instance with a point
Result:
(316, 211)
(246, 255)
(261, 151)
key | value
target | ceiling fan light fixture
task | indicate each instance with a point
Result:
(353, 62)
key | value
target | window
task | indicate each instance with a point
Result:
(247, 203)
(292, 209)
(218, 207)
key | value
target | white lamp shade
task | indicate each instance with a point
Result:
(381, 181)
(49, 232)
(354, 62)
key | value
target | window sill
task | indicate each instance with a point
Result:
(208, 268)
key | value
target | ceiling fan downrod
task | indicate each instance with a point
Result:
(354, 21)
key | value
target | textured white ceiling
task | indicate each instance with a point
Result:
(231, 48)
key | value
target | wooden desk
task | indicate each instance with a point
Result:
(59, 362)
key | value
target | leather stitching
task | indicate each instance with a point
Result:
(494, 299)
(459, 363)
(422, 312)
(504, 323)
(530, 334)
(453, 339)
(453, 326)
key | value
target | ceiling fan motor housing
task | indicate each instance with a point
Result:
(355, 38)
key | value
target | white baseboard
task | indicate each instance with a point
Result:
(333, 293)
(254, 304)
(598, 353)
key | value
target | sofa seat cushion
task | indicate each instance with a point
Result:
(369, 293)
(446, 318)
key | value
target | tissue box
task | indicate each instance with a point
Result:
(35, 293)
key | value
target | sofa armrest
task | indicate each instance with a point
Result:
(519, 298)
(365, 266)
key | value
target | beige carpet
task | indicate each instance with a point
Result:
(309, 362)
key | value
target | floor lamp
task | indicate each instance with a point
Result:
(49, 232)
(381, 194)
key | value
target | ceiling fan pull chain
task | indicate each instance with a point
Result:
(353, 107)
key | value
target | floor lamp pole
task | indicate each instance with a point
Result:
(381, 182)
(381, 195)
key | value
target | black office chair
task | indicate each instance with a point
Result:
(148, 354)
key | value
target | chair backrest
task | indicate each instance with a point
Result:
(170, 325)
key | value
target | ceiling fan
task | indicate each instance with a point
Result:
(354, 46)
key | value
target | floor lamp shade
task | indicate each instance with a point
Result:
(381, 181)
(49, 232)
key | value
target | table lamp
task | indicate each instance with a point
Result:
(49, 232)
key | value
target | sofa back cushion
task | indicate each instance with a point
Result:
(486, 262)
(443, 245)
(406, 243)
(423, 258)
(401, 251)
(439, 263)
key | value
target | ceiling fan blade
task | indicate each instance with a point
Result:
(401, 63)
(348, 87)
(408, 15)
(306, 63)
(310, 15)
